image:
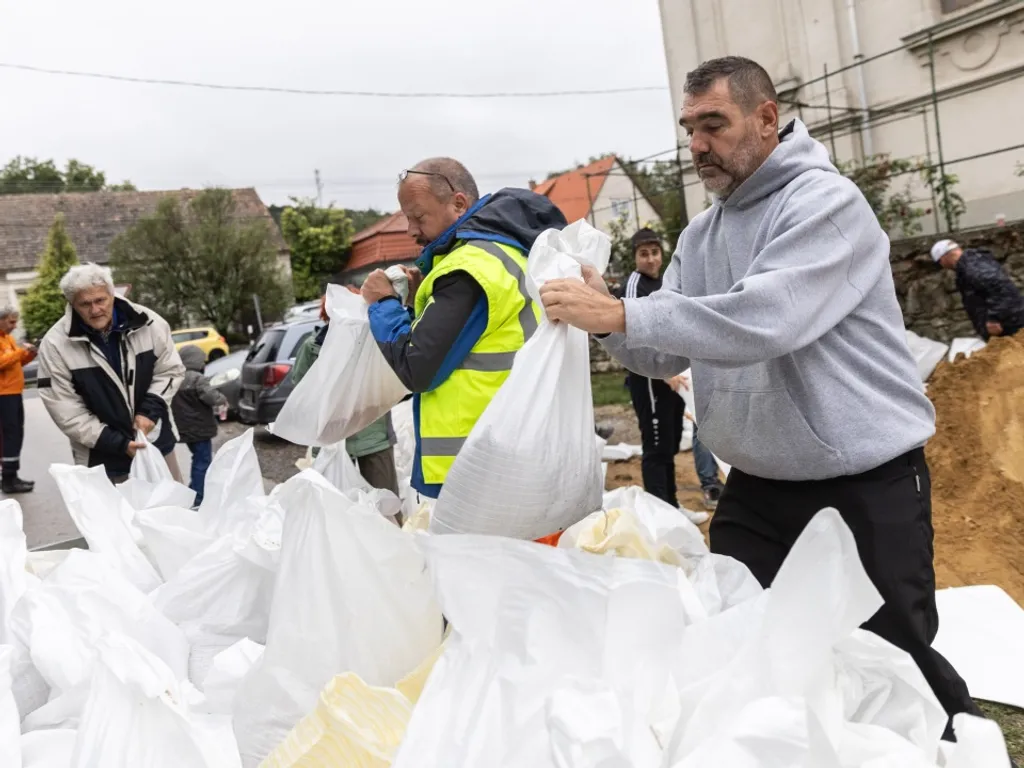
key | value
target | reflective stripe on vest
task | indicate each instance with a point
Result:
(466, 394)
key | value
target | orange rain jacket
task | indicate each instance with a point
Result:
(12, 357)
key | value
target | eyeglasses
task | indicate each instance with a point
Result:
(405, 175)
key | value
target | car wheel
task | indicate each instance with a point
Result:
(215, 354)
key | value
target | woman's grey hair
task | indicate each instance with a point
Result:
(86, 276)
(6, 310)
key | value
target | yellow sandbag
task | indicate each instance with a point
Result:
(619, 532)
(354, 725)
(411, 686)
(420, 520)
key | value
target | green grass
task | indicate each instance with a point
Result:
(610, 388)
(1012, 722)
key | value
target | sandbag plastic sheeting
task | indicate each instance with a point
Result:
(218, 597)
(48, 749)
(927, 353)
(10, 720)
(348, 387)
(663, 522)
(172, 536)
(230, 667)
(531, 466)
(233, 478)
(339, 469)
(533, 623)
(965, 346)
(351, 594)
(148, 464)
(13, 558)
(137, 715)
(102, 515)
(85, 599)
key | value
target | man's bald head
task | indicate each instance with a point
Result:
(447, 176)
(434, 194)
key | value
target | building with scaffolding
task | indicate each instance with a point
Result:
(938, 82)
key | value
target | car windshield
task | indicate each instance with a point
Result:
(267, 347)
(180, 337)
(234, 360)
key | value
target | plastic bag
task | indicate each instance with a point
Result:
(137, 715)
(149, 465)
(13, 557)
(351, 594)
(348, 387)
(230, 667)
(665, 524)
(172, 537)
(234, 478)
(48, 749)
(102, 515)
(927, 353)
(533, 626)
(511, 478)
(338, 468)
(10, 720)
(964, 346)
(218, 597)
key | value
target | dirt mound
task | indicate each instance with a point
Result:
(977, 467)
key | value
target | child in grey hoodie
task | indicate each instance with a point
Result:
(194, 406)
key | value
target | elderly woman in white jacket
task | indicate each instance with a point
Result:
(107, 370)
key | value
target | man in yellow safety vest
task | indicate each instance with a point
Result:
(469, 312)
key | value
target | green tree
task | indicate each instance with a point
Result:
(661, 184)
(895, 210)
(621, 262)
(27, 175)
(44, 304)
(319, 239)
(196, 259)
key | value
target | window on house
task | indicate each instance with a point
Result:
(620, 208)
(948, 6)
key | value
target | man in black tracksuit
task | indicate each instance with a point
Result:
(658, 408)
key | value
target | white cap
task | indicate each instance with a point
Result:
(941, 248)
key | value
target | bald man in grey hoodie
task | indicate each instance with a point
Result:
(781, 299)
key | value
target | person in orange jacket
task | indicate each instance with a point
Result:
(12, 409)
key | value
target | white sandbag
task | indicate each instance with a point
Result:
(218, 597)
(101, 514)
(167, 493)
(620, 452)
(348, 387)
(233, 478)
(10, 720)
(149, 465)
(137, 715)
(48, 749)
(351, 595)
(536, 631)
(510, 478)
(63, 620)
(965, 346)
(927, 353)
(172, 536)
(230, 667)
(338, 468)
(13, 558)
(980, 744)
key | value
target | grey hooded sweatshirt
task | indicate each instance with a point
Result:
(782, 301)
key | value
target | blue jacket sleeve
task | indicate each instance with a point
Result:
(424, 352)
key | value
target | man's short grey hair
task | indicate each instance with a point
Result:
(85, 276)
(6, 310)
(749, 84)
(452, 170)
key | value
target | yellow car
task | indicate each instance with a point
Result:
(207, 339)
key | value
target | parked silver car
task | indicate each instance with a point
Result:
(266, 379)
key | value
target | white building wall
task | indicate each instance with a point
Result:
(619, 196)
(979, 60)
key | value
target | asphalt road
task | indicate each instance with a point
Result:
(46, 518)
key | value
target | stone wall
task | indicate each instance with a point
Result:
(931, 304)
(600, 362)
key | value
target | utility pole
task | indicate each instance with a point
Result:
(319, 189)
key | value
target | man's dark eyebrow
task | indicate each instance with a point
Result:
(705, 116)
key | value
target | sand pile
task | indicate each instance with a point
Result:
(977, 466)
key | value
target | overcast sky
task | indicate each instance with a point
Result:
(164, 137)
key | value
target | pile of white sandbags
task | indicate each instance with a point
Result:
(201, 639)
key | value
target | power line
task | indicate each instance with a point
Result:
(329, 92)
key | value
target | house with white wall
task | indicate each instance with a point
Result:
(925, 70)
(601, 192)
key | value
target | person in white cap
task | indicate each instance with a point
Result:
(992, 301)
